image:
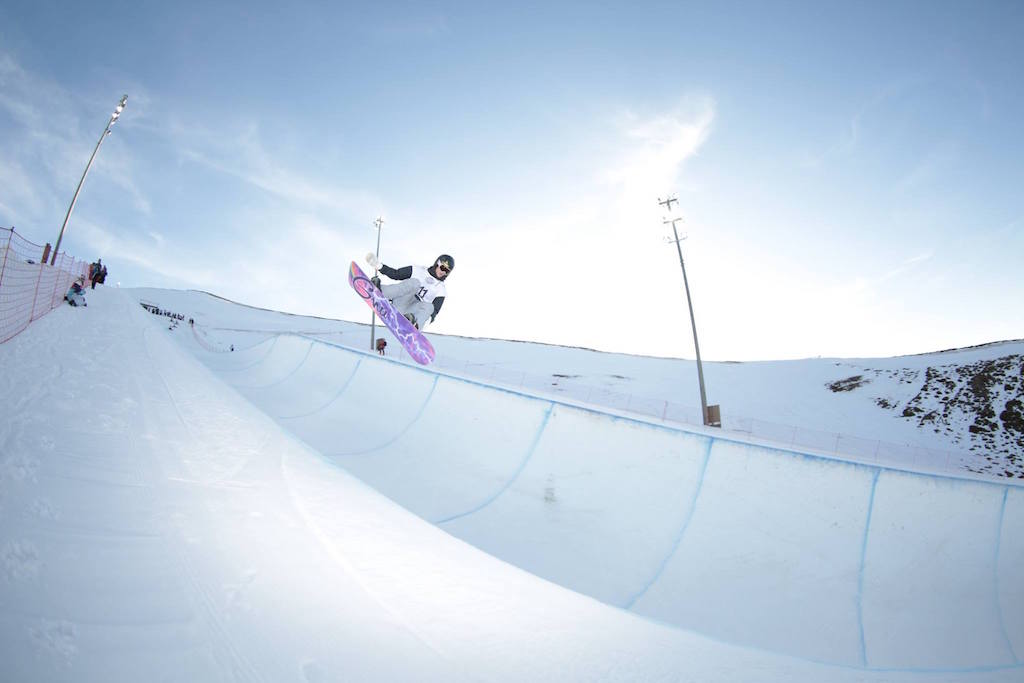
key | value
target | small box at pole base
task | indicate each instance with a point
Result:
(714, 416)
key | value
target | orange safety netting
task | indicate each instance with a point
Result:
(29, 288)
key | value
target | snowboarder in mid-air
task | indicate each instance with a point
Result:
(419, 292)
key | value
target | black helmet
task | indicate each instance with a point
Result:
(446, 261)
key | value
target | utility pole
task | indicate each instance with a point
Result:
(379, 223)
(667, 203)
(103, 136)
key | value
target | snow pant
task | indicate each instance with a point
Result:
(403, 296)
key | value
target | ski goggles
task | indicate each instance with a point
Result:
(444, 266)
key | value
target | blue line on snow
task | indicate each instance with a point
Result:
(515, 475)
(995, 577)
(860, 577)
(399, 435)
(341, 391)
(682, 530)
(309, 350)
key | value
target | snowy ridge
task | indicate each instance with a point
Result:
(976, 404)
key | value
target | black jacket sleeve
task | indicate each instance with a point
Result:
(396, 274)
(437, 307)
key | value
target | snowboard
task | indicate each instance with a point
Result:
(407, 335)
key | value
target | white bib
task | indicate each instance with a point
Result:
(430, 286)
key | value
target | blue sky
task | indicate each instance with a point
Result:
(848, 173)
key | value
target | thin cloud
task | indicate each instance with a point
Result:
(46, 147)
(867, 287)
(656, 148)
(931, 167)
(851, 131)
(245, 159)
(613, 219)
(907, 265)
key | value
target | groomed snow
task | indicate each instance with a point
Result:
(297, 511)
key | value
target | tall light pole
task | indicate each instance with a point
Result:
(693, 323)
(379, 223)
(106, 132)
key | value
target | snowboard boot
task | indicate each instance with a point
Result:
(376, 281)
(411, 318)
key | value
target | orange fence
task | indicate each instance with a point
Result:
(30, 288)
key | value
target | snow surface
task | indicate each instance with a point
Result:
(300, 511)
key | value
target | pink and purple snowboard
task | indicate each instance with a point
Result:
(407, 335)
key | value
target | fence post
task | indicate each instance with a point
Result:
(7, 248)
(56, 282)
(35, 296)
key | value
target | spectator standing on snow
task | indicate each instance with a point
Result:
(94, 272)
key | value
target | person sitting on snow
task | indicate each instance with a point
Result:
(75, 295)
(421, 291)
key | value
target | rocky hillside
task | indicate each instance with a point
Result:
(978, 406)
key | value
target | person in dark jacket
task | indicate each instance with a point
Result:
(94, 272)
